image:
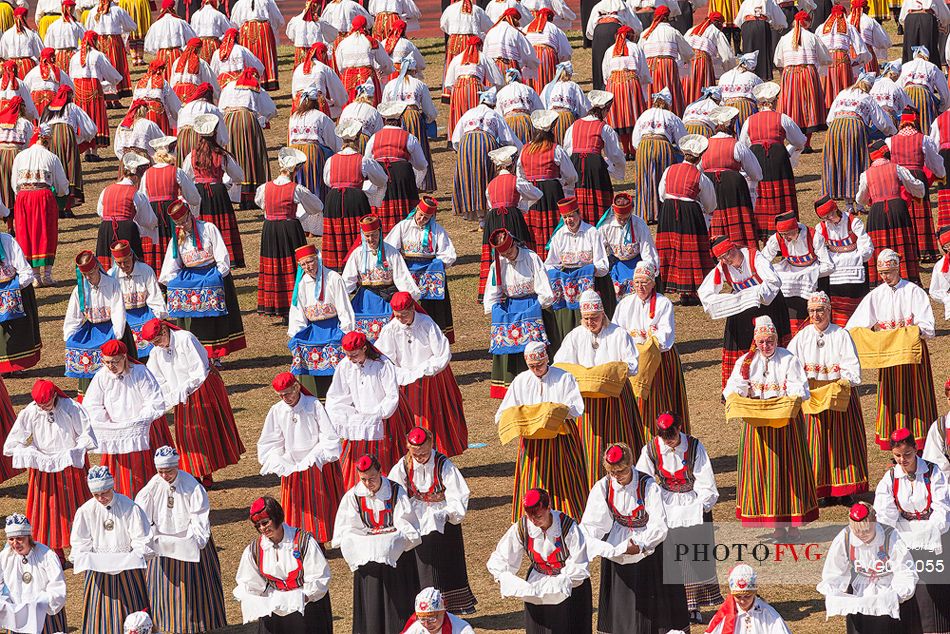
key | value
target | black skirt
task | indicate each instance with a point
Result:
(402, 194)
(909, 622)
(820, 15)
(932, 595)
(278, 265)
(684, 20)
(573, 615)
(383, 596)
(220, 335)
(921, 29)
(586, 7)
(154, 252)
(757, 36)
(740, 329)
(506, 218)
(440, 562)
(605, 35)
(109, 233)
(608, 295)
(317, 618)
(341, 224)
(544, 215)
(594, 191)
(217, 208)
(20, 341)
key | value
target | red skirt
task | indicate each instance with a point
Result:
(453, 47)
(208, 438)
(23, 65)
(7, 418)
(629, 102)
(36, 223)
(838, 78)
(922, 217)
(802, 98)
(89, 97)
(113, 47)
(382, 23)
(209, 46)
(436, 404)
(388, 451)
(356, 76)
(132, 471)
(63, 57)
(169, 56)
(545, 72)
(157, 115)
(701, 75)
(682, 241)
(310, 499)
(666, 74)
(464, 97)
(52, 500)
(259, 38)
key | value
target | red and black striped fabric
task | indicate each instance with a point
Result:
(802, 98)
(208, 438)
(310, 499)
(436, 404)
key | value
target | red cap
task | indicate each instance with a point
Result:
(151, 330)
(614, 455)
(203, 89)
(359, 23)
(121, 249)
(86, 261)
(511, 12)
(428, 205)
(661, 12)
(623, 204)
(417, 436)
(824, 206)
(665, 421)
(365, 463)
(20, 12)
(258, 511)
(802, 16)
(501, 240)
(69, 3)
(353, 340)
(721, 245)
(860, 4)
(113, 348)
(715, 16)
(402, 301)
(786, 221)
(43, 391)
(567, 206)
(283, 381)
(946, 386)
(532, 499)
(178, 210)
(859, 512)
(900, 435)
(908, 115)
(368, 224)
(168, 5)
(305, 251)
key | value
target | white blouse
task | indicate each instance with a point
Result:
(556, 386)
(918, 534)
(417, 350)
(889, 307)
(361, 397)
(407, 236)
(633, 315)
(103, 303)
(611, 344)
(433, 515)
(524, 276)
(569, 249)
(781, 374)
(296, 438)
(178, 514)
(181, 368)
(121, 408)
(610, 539)
(827, 355)
(112, 537)
(336, 303)
(50, 441)
(681, 506)
(46, 581)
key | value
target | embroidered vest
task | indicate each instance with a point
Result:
(639, 517)
(681, 480)
(554, 562)
(295, 579)
(384, 524)
(914, 515)
(436, 492)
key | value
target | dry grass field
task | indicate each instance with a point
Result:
(489, 469)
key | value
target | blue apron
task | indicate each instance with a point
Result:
(621, 272)
(568, 286)
(82, 349)
(317, 348)
(429, 276)
(136, 318)
(515, 323)
(11, 301)
(197, 292)
(372, 312)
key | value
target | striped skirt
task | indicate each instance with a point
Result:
(278, 266)
(52, 500)
(701, 75)
(187, 137)
(388, 451)
(310, 498)
(259, 37)
(382, 23)
(89, 96)
(803, 98)
(208, 438)
(776, 192)
(682, 241)
(464, 97)
(629, 102)
(63, 144)
(839, 454)
(543, 215)
(924, 100)
(249, 149)
(545, 72)
(310, 175)
(342, 211)
(473, 171)
(654, 155)
(700, 128)
(565, 119)
(42, 99)
(666, 74)
(108, 599)
(905, 399)
(7, 196)
(733, 216)
(132, 471)
(746, 108)
(845, 158)
(557, 466)
(217, 208)
(187, 597)
(113, 47)
(921, 214)
(455, 45)
(402, 194)
(890, 226)
(607, 421)
(64, 56)
(839, 76)
(170, 56)
(209, 46)
(667, 394)
(436, 404)
(520, 123)
(414, 122)
(775, 482)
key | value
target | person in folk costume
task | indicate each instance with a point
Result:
(230, 59)
(11, 86)
(467, 74)
(376, 530)
(200, 102)
(38, 181)
(20, 340)
(400, 154)
(680, 466)
(374, 272)
(847, 50)
(90, 70)
(320, 312)
(111, 543)
(197, 262)
(46, 12)
(189, 71)
(184, 578)
(431, 616)
(935, 447)
(20, 44)
(737, 86)
(287, 206)
(565, 97)
(628, 241)
(515, 102)
(386, 12)
(918, 153)
(881, 191)
(64, 34)
(697, 117)
(754, 289)
(15, 133)
(653, 138)
(712, 56)
(666, 51)
(363, 109)
(258, 22)
(439, 497)
(939, 278)
(126, 410)
(50, 438)
(208, 163)
(682, 238)
(494, 9)
(210, 25)
(835, 437)
(922, 21)
(564, 16)
(164, 183)
(31, 578)
(760, 23)
(113, 24)
(460, 21)
(744, 610)
(645, 9)
(891, 97)
(163, 102)
(283, 577)
(869, 576)
(306, 29)
(905, 393)
(135, 132)
(766, 133)
(141, 13)
(849, 248)
(551, 47)
(298, 444)
(925, 85)
(478, 132)
(339, 15)
(419, 113)
(313, 73)
(428, 251)
(506, 45)
(557, 591)
(125, 212)
(140, 291)
(167, 37)
(359, 58)
(95, 314)
(45, 80)
(627, 76)
(799, 257)
(399, 47)
(247, 111)
(804, 60)
(912, 499)
(875, 38)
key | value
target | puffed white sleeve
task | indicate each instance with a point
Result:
(140, 532)
(505, 560)
(248, 577)
(838, 569)
(664, 326)
(736, 384)
(402, 278)
(405, 520)
(656, 529)
(73, 318)
(199, 525)
(457, 492)
(597, 523)
(705, 484)
(219, 249)
(884, 506)
(933, 446)
(80, 536)
(924, 317)
(188, 189)
(55, 589)
(270, 446)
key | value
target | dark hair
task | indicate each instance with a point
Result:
(909, 442)
(598, 111)
(306, 105)
(274, 510)
(202, 155)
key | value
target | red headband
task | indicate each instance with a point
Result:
(722, 247)
(369, 224)
(89, 264)
(305, 252)
(121, 249)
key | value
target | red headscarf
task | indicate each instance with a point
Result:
(67, 11)
(540, 20)
(509, 15)
(661, 14)
(396, 30)
(712, 18)
(129, 120)
(43, 391)
(10, 112)
(48, 67)
(248, 79)
(466, 6)
(227, 44)
(472, 46)
(620, 41)
(801, 18)
(358, 25)
(8, 78)
(19, 19)
(189, 61)
(168, 8)
(316, 52)
(857, 10)
(203, 89)
(154, 77)
(311, 12)
(103, 8)
(89, 38)
(836, 21)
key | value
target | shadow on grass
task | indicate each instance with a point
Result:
(493, 470)
(506, 621)
(699, 365)
(488, 502)
(724, 464)
(798, 610)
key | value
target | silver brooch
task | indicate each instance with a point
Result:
(108, 524)
(27, 577)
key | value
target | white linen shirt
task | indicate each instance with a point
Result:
(296, 438)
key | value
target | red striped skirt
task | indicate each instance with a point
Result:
(41, 99)
(594, 190)
(802, 98)
(52, 500)
(259, 38)
(701, 75)
(131, 471)
(905, 399)
(64, 56)
(890, 227)
(36, 223)
(628, 103)
(464, 96)
(209, 46)
(388, 451)
(23, 65)
(607, 421)
(170, 56)
(382, 22)
(453, 47)
(113, 47)
(545, 72)
(356, 76)
(922, 217)
(503, 65)
(310, 499)
(89, 96)
(667, 394)
(839, 76)
(436, 404)
(746, 108)
(666, 74)
(943, 201)
(839, 455)
(557, 466)
(734, 216)
(157, 115)
(207, 436)
(777, 192)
